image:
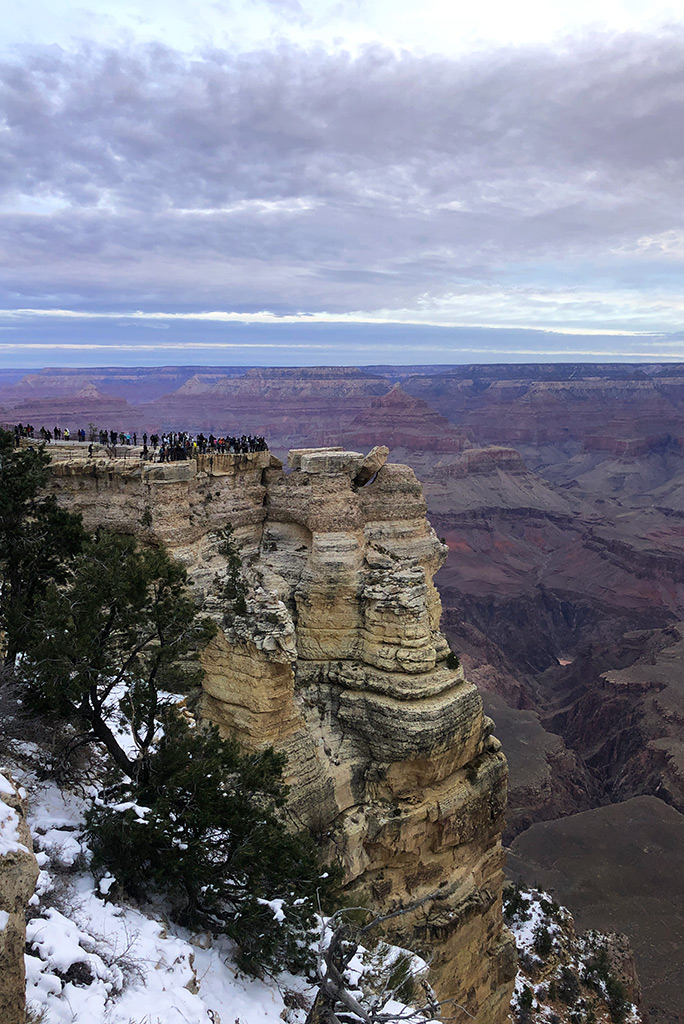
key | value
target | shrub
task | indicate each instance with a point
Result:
(515, 904)
(233, 587)
(37, 539)
(205, 831)
(453, 661)
(526, 998)
(618, 1000)
(568, 986)
(105, 644)
(549, 907)
(543, 943)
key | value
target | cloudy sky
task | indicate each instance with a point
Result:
(292, 182)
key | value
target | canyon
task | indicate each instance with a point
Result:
(559, 493)
(337, 660)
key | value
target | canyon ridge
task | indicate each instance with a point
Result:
(558, 491)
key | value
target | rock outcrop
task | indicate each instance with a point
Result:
(339, 662)
(18, 874)
(608, 861)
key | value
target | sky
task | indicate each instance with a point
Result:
(297, 182)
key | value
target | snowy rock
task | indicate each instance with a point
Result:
(18, 874)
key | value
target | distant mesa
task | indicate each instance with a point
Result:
(404, 421)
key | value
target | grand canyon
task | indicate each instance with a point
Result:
(558, 490)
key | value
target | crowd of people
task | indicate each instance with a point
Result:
(166, 447)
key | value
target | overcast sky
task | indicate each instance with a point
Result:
(287, 182)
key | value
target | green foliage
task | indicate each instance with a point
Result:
(516, 906)
(104, 635)
(568, 986)
(401, 980)
(233, 587)
(543, 943)
(598, 975)
(37, 538)
(214, 843)
(453, 661)
(618, 1000)
(550, 908)
(526, 998)
(119, 630)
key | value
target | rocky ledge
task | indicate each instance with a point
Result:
(18, 875)
(339, 662)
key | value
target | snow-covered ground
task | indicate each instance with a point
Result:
(96, 961)
(557, 980)
(99, 962)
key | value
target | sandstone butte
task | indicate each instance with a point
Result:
(340, 663)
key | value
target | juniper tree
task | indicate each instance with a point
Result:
(37, 539)
(184, 814)
(106, 643)
(206, 830)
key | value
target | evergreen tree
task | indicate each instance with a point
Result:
(186, 815)
(206, 831)
(37, 538)
(107, 643)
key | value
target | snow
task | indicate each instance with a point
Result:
(94, 961)
(4, 920)
(536, 909)
(140, 970)
(9, 831)
(276, 906)
(60, 847)
(6, 786)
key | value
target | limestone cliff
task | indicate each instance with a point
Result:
(339, 662)
(18, 874)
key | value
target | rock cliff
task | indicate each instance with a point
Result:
(18, 874)
(339, 662)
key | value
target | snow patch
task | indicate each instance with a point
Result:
(9, 831)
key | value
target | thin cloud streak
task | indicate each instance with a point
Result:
(530, 187)
(303, 319)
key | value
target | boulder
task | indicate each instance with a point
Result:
(374, 461)
(18, 875)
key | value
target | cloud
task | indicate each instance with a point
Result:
(511, 186)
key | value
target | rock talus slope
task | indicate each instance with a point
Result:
(339, 662)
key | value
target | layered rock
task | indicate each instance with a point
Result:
(288, 404)
(18, 875)
(339, 662)
(390, 756)
(406, 422)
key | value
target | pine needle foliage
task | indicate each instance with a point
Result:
(187, 816)
(207, 832)
(109, 641)
(37, 539)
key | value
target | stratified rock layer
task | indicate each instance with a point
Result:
(18, 874)
(339, 662)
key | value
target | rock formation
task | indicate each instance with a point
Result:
(644, 839)
(339, 663)
(18, 874)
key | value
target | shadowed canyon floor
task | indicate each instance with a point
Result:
(559, 490)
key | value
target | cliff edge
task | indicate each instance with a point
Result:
(339, 662)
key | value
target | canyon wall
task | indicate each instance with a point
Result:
(18, 875)
(339, 662)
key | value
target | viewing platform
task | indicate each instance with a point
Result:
(131, 457)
